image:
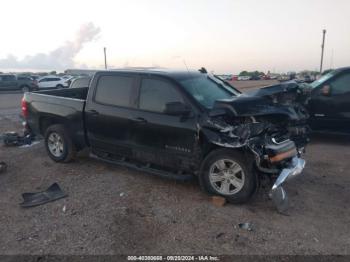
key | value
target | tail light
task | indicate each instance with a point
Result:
(24, 108)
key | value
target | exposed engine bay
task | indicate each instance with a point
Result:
(270, 123)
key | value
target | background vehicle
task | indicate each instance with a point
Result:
(176, 124)
(329, 105)
(13, 82)
(49, 82)
(80, 82)
(243, 78)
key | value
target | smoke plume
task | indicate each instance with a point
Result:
(60, 58)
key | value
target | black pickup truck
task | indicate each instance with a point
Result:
(178, 124)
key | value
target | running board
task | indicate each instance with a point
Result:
(146, 168)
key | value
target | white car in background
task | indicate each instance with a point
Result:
(243, 78)
(49, 82)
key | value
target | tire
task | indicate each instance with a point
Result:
(25, 89)
(235, 177)
(56, 136)
(59, 86)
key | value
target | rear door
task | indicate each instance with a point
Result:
(43, 82)
(109, 112)
(159, 138)
(332, 112)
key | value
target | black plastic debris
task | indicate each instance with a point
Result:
(246, 226)
(53, 193)
(3, 167)
(15, 139)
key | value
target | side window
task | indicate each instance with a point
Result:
(114, 90)
(9, 78)
(43, 80)
(341, 84)
(155, 94)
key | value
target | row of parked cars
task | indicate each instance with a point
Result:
(281, 78)
(33, 83)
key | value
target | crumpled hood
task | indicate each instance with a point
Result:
(286, 99)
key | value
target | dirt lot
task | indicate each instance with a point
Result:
(113, 210)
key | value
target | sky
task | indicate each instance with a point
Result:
(224, 36)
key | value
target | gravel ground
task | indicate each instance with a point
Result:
(114, 210)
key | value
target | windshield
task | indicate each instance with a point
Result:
(322, 79)
(207, 89)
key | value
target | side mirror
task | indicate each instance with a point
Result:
(176, 109)
(326, 90)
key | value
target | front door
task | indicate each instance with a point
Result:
(162, 139)
(331, 109)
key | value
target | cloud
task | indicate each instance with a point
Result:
(60, 58)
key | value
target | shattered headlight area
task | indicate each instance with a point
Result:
(275, 147)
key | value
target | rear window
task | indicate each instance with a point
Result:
(114, 90)
(81, 82)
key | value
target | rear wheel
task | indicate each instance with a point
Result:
(58, 143)
(227, 173)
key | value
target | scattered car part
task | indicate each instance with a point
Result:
(14, 139)
(278, 194)
(246, 226)
(3, 167)
(53, 193)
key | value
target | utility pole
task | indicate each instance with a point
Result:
(104, 51)
(322, 46)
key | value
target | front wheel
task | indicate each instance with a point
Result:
(59, 86)
(58, 143)
(226, 173)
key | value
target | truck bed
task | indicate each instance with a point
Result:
(76, 93)
(60, 106)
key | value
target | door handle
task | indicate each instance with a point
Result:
(140, 120)
(94, 112)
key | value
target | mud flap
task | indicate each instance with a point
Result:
(53, 193)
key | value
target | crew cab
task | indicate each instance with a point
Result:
(178, 124)
(329, 104)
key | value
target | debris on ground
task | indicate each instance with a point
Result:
(54, 192)
(246, 226)
(219, 235)
(15, 139)
(121, 194)
(3, 167)
(218, 201)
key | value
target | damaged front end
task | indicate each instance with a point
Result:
(270, 124)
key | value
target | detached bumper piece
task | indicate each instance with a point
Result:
(278, 194)
(53, 193)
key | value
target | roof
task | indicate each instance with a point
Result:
(174, 73)
(342, 68)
